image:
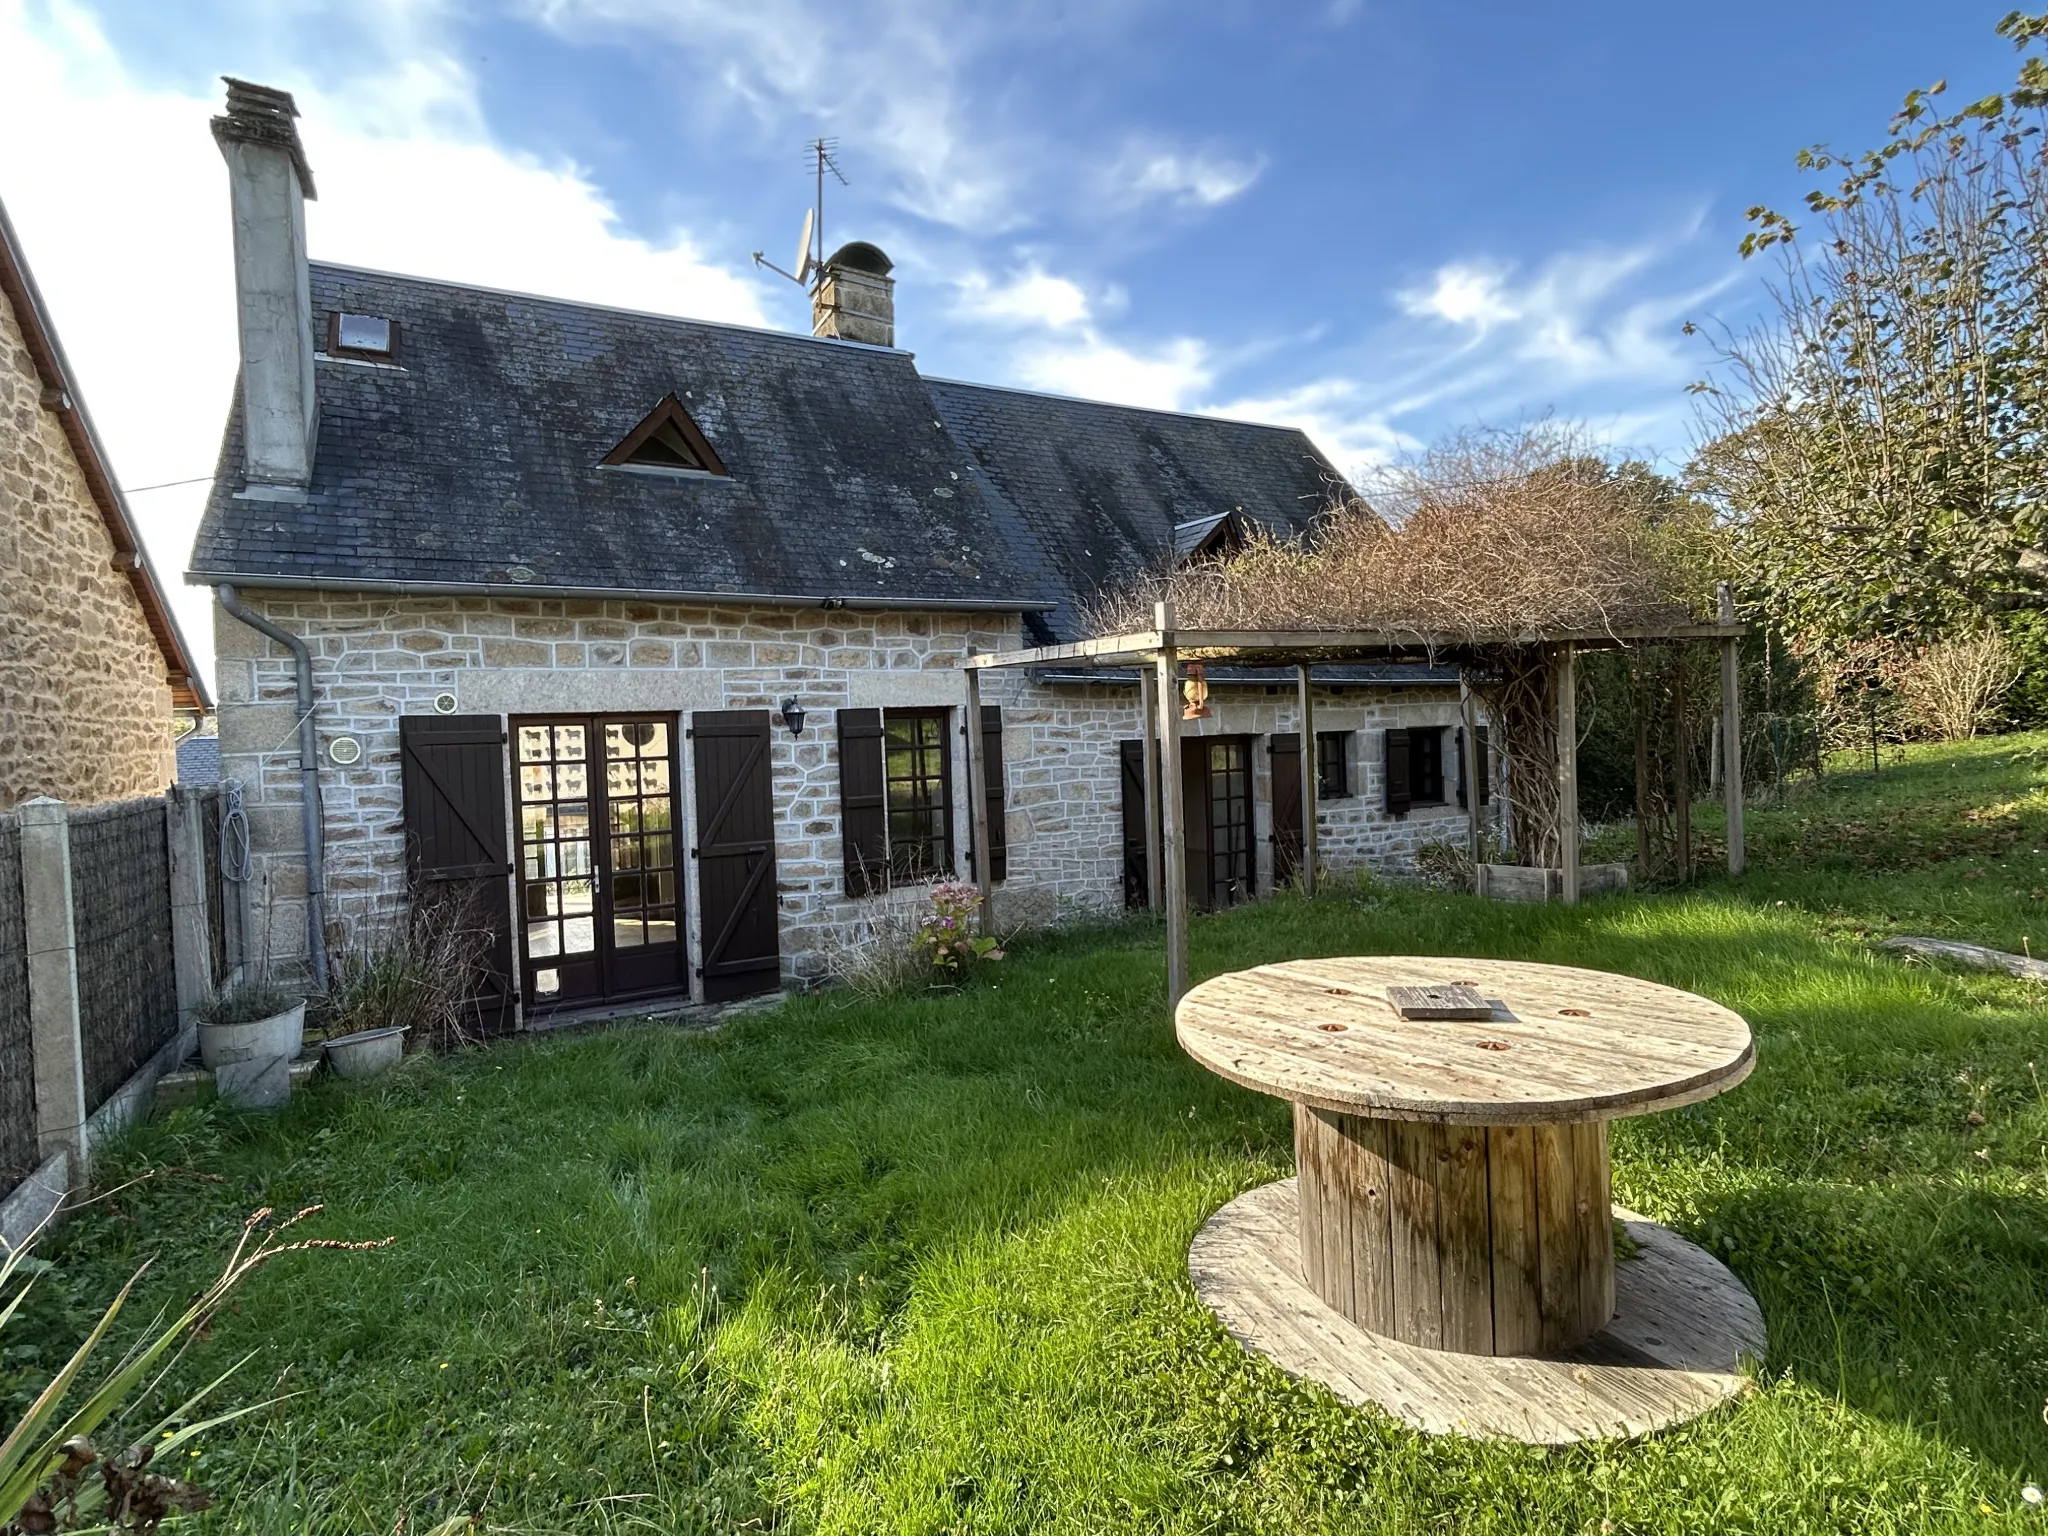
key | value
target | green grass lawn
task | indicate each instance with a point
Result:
(919, 1265)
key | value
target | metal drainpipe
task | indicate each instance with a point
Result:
(309, 782)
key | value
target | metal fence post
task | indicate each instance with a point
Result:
(53, 982)
(191, 928)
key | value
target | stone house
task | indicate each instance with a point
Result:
(97, 672)
(645, 632)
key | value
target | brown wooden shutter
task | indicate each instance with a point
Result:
(1286, 836)
(735, 853)
(863, 802)
(995, 780)
(1399, 794)
(1485, 788)
(452, 778)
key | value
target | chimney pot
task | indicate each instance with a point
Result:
(855, 299)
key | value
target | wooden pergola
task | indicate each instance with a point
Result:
(1159, 653)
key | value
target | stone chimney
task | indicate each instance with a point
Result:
(856, 298)
(268, 184)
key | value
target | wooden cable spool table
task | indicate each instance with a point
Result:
(1451, 1212)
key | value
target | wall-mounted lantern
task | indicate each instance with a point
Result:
(1196, 691)
(793, 716)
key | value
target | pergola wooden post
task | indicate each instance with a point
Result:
(1566, 672)
(1731, 730)
(1309, 769)
(1174, 853)
(977, 805)
(1681, 772)
(1468, 713)
(1148, 764)
(1639, 702)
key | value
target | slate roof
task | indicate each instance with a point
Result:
(474, 462)
(1103, 487)
(198, 760)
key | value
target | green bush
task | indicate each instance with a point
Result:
(2026, 706)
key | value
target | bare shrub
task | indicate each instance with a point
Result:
(1485, 538)
(417, 971)
(1952, 689)
(1444, 866)
(879, 960)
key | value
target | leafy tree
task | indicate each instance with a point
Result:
(1879, 450)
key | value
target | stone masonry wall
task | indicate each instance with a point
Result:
(1066, 791)
(85, 710)
(379, 657)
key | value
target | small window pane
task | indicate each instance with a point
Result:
(579, 936)
(625, 892)
(547, 981)
(543, 938)
(657, 852)
(533, 743)
(569, 742)
(536, 782)
(654, 813)
(654, 776)
(628, 933)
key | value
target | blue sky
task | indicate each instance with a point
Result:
(1379, 221)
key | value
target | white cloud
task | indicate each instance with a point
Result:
(1581, 325)
(1061, 347)
(1030, 297)
(1190, 180)
(127, 229)
(1168, 376)
(894, 71)
(925, 92)
(1463, 293)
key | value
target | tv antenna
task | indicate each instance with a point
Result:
(810, 249)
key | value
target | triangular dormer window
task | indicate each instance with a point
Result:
(1215, 537)
(667, 439)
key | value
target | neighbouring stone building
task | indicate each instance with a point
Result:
(96, 671)
(645, 632)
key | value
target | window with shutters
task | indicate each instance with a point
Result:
(1413, 765)
(1333, 765)
(918, 778)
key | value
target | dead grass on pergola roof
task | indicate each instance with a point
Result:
(1487, 538)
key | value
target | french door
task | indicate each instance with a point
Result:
(1216, 790)
(600, 904)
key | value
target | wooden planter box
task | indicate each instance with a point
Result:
(1521, 882)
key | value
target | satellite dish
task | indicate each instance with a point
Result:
(803, 249)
